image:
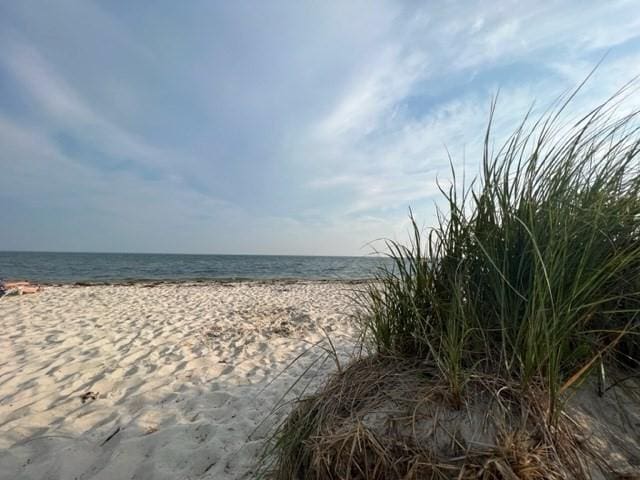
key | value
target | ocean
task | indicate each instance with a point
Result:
(49, 267)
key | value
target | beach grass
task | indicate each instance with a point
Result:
(528, 284)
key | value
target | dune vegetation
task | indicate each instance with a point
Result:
(503, 342)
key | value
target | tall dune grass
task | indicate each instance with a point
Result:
(528, 284)
(533, 272)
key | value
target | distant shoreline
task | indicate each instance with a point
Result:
(156, 254)
(207, 282)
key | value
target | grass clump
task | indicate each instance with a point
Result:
(392, 418)
(533, 273)
(527, 287)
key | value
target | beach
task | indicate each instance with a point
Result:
(157, 381)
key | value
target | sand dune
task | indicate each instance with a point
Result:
(182, 375)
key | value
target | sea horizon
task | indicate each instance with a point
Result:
(73, 252)
(130, 267)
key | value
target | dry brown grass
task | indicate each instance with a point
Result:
(387, 418)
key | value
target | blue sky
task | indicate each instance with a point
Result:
(270, 127)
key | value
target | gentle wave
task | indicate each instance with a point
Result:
(131, 267)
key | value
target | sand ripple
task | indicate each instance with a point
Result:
(183, 373)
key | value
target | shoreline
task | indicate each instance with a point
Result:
(208, 282)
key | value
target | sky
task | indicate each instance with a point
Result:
(276, 127)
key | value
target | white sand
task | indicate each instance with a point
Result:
(183, 374)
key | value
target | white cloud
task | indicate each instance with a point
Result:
(379, 153)
(64, 108)
(376, 88)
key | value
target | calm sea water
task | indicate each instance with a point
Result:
(116, 267)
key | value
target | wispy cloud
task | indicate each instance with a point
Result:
(62, 108)
(388, 142)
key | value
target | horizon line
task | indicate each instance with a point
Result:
(192, 254)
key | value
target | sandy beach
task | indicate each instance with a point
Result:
(163, 381)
